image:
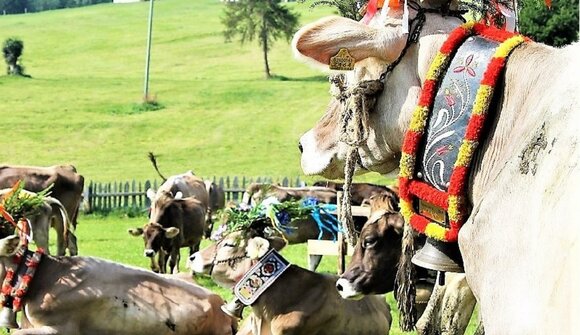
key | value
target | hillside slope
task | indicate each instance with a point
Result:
(221, 116)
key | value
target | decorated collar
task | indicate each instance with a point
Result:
(260, 276)
(447, 127)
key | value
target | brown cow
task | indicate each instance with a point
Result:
(374, 264)
(217, 198)
(360, 192)
(300, 230)
(257, 192)
(176, 223)
(67, 187)
(40, 221)
(182, 185)
(299, 301)
(90, 296)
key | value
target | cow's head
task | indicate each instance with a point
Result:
(154, 236)
(373, 47)
(374, 262)
(227, 260)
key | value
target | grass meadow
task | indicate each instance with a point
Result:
(221, 116)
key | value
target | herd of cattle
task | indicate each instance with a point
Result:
(182, 213)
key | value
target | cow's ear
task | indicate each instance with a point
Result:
(376, 216)
(8, 245)
(321, 40)
(276, 242)
(257, 247)
(171, 232)
(135, 231)
(150, 194)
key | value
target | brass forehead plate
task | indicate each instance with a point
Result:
(342, 61)
(432, 212)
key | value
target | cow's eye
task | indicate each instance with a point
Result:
(229, 245)
(369, 242)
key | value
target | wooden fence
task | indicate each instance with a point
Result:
(99, 197)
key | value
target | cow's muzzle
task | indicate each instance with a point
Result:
(347, 290)
(149, 253)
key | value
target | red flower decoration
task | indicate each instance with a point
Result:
(466, 66)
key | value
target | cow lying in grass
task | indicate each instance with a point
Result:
(90, 296)
(299, 301)
(299, 230)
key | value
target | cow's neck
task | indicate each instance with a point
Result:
(516, 114)
(291, 288)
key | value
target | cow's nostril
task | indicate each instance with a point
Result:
(191, 258)
(339, 287)
(300, 147)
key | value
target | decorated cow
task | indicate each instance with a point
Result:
(296, 221)
(483, 124)
(285, 299)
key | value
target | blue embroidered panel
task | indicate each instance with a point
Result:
(452, 110)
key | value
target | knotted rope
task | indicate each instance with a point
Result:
(359, 101)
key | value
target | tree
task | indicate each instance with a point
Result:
(12, 50)
(266, 20)
(347, 8)
(557, 25)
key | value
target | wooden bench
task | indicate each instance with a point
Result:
(333, 248)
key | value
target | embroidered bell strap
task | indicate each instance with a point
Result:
(263, 274)
(446, 128)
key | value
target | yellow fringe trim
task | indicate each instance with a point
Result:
(435, 231)
(406, 209)
(438, 64)
(465, 152)
(419, 119)
(468, 25)
(453, 208)
(481, 104)
(406, 165)
(506, 47)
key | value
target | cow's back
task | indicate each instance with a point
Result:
(94, 296)
(189, 185)
(67, 184)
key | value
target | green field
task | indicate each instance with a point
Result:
(221, 116)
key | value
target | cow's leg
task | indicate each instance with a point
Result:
(429, 321)
(163, 257)
(458, 305)
(155, 263)
(174, 259)
(208, 224)
(313, 262)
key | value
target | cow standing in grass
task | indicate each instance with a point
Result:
(176, 223)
